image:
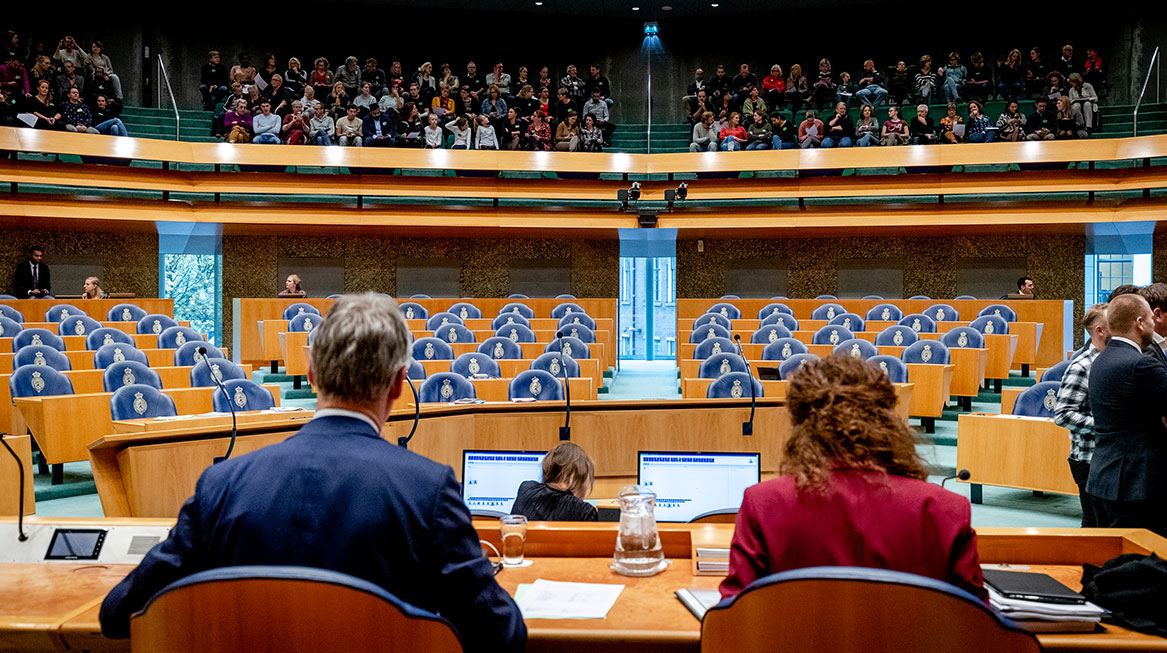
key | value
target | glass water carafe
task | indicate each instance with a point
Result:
(638, 550)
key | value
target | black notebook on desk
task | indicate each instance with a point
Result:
(1030, 586)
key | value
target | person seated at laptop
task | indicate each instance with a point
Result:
(851, 491)
(568, 475)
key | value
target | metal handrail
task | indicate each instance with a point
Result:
(170, 89)
(1154, 64)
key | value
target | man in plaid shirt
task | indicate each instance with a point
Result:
(1073, 407)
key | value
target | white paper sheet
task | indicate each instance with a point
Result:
(548, 599)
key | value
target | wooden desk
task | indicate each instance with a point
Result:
(34, 310)
(10, 476)
(696, 388)
(1022, 452)
(510, 367)
(83, 360)
(1009, 398)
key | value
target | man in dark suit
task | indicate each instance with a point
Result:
(338, 496)
(1156, 296)
(1128, 398)
(31, 279)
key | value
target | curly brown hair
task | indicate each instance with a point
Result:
(842, 411)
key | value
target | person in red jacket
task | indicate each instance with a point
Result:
(852, 490)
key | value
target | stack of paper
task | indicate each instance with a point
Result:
(1048, 617)
(548, 599)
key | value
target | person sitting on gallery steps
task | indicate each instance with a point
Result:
(338, 496)
(568, 475)
(848, 451)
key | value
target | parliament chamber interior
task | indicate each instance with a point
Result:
(672, 342)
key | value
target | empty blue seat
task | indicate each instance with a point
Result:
(569, 346)
(831, 335)
(577, 318)
(299, 308)
(304, 322)
(725, 309)
(713, 318)
(932, 352)
(729, 297)
(445, 387)
(566, 308)
(9, 327)
(875, 297)
(719, 364)
(734, 386)
(140, 401)
(990, 325)
(204, 372)
(244, 394)
(416, 371)
(565, 296)
(896, 336)
(1000, 310)
(711, 346)
(102, 336)
(826, 297)
(43, 355)
(465, 310)
(535, 384)
(38, 381)
(517, 295)
(919, 323)
(414, 311)
(420, 295)
(827, 311)
(473, 363)
(885, 313)
(432, 349)
(125, 313)
(920, 297)
(6, 296)
(62, 311)
(126, 373)
(155, 323)
(107, 355)
(849, 321)
(856, 348)
(555, 364)
(579, 332)
(791, 365)
(780, 319)
(37, 336)
(438, 320)
(780, 297)
(771, 333)
(504, 319)
(499, 348)
(516, 333)
(1038, 400)
(188, 353)
(453, 333)
(708, 331)
(783, 348)
(518, 307)
(334, 295)
(895, 369)
(965, 297)
(1055, 373)
(963, 338)
(942, 313)
(11, 313)
(772, 308)
(77, 325)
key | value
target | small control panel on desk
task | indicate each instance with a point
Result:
(78, 542)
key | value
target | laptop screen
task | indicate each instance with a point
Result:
(491, 479)
(690, 484)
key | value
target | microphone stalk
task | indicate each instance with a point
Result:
(230, 406)
(963, 475)
(20, 535)
(565, 430)
(403, 442)
(748, 425)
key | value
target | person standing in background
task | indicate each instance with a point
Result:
(32, 279)
(292, 287)
(1072, 411)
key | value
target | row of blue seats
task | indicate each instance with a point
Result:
(882, 312)
(107, 355)
(780, 342)
(474, 363)
(59, 312)
(445, 387)
(461, 310)
(170, 338)
(868, 297)
(499, 347)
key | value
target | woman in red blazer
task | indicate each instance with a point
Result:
(852, 490)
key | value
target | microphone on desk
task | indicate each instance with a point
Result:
(747, 426)
(963, 475)
(20, 536)
(230, 406)
(565, 430)
(403, 441)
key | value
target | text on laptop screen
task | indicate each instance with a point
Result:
(691, 484)
(491, 479)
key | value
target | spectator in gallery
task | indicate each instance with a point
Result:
(1067, 63)
(810, 131)
(349, 75)
(567, 133)
(1094, 73)
(321, 77)
(321, 126)
(460, 128)
(867, 128)
(379, 128)
(279, 95)
(900, 84)
(254, 99)
(433, 133)
(337, 101)
(374, 77)
(105, 116)
(758, 134)
(447, 78)
(698, 84)
(13, 77)
(243, 72)
(499, 79)
(443, 105)
(921, 129)
(365, 100)
(296, 125)
(99, 65)
(773, 87)
(397, 75)
(1011, 76)
(797, 91)
(925, 80)
(733, 136)
(597, 107)
(871, 90)
(485, 137)
(948, 125)
(1011, 123)
(539, 133)
(544, 80)
(76, 115)
(753, 103)
(494, 107)
(543, 102)
(840, 129)
(954, 76)
(720, 85)
(742, 83)
(979, 128)
(91, 289)
(979, 83)
(823, 92)
(512, 131)
(574, 84)
(392, 100)
(237, 123)
(520, 78)
(1042, 124)
(704, 138)
(350, 128)
(295, 77)
(564, 105)
(1071, 124)
(68, 50)
(895, 128)
(1035, 71)
(473, 81)
(1055, 86)
(1084, 97)
(266, 125)
(68, 79)
(785, 134)
(592, 137)
(410, 128)
(308, 101)
(41, 69)
(845, 89)
(213, 81)
(293, 287)
(698, 105)
(427, 84)
(266, 71)
(41, 105)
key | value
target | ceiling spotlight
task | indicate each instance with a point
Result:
(714, 5)
(636, 9)
(666, 8)
(651, 29)
(538, 4)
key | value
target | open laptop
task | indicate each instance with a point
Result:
(691, 484)
(491, 479)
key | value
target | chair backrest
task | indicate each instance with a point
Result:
(555, 363)
(855, 598)
(726, 309)
(438, 320)
(772, 308)
(895, 369)
(9, 327)
(1055, 373)
(513, 317)
(188, 353)
(155, 323)
(827, 311)
(500, 348)
(299, 308)
(568, 346)
(62, 311)
(414, 311)
(37, 336)
(711, 346)
(416, 371)
(565, 296)
(177, 336)
(204, 372)
(990, 325)
(535, 384)
(965, 297)
(107, 355)
(518, 307)
(566, 308)
(926, 351)
(831, 335)
(38, 381)
(446, 387)
(304, 322)
(896, 336)
(577, 318)
(517, 295)
(139, 401)
(126, 373)
(11, 313)
(712, 318)
(919, 323)
(719, 364)
(77, 325)
(708, 331)
(942, 313)
(472, 363)
(102, 336)
(431, 349)
(780, 319)
(876, 297)
(1000, 310)
(850, 321)
(729, 297)
(885, 313)
(465, 310)
(734, 386)
(856, 348)
(1038, 400)
(244, 394)
(515, 333)
(419, 295)
(578, 331)
(826, 297)
(125, 313)
(783, 348)
(452, 333)
(41, 355)
(771, 333)
(792, 364)
(334, 295)
(963, 338)
(920, 297)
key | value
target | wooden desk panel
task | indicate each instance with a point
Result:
(1002, 349)
(9, 476)
(970, 370)
(34, 310)
(696, 388)
(933, 387)
(77, 343)
(1021, 452)
(499, 389)
(510, 368)
(1009, 397)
